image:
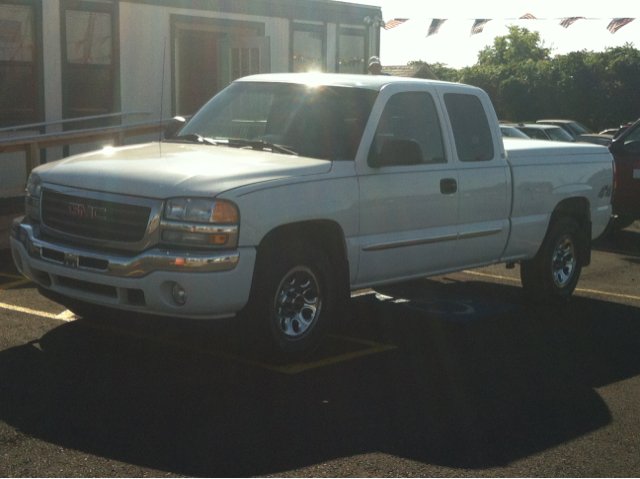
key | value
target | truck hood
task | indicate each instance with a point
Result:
(167, 170)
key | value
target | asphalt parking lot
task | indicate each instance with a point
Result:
(448, 376)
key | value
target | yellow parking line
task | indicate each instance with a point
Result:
(14, 284)
(64, 316)
(582, 290)
(286, 369)
(10, 276)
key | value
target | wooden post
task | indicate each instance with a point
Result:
(33, 156)
(118, 138)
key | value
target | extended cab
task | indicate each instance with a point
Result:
(286, 191)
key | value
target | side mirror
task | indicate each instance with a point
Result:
(174, 126)
(396, 152)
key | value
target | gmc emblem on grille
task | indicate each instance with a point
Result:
(92, 212)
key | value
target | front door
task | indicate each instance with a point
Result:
(408, 216)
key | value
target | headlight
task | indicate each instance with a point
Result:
(200, 222)
(200, 210)
(32, 199)
(34, 185)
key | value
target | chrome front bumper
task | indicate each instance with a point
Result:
(122, 266)
(216, 284)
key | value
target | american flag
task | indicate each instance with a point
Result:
(528, 16)
(394, 23)
(617, 23)
(568, 21)
(478, 25)
(436, 23)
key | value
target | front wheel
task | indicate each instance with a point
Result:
(293, 297)
(552, 276)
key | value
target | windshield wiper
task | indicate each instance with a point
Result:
(261, 145)
(194, 138)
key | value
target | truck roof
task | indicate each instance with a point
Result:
(372, 82)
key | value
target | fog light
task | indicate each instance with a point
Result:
(179, 294)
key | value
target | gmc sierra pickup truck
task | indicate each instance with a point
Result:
(286, 191)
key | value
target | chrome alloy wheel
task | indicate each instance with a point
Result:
(563, 261)
(298, 302)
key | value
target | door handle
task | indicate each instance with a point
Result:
(448, 186)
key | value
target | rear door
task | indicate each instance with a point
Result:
(483, 174)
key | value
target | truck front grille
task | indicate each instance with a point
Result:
(94, 219)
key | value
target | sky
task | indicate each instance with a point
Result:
(455, 47)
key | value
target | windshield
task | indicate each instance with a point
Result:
(511, 132)
(579, 129)
(319, 122)
(558, 134)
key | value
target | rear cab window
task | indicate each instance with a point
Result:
(470, 126)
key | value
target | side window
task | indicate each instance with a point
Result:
(18, 66)
(411, 116)
(89, 68)
(470, 126)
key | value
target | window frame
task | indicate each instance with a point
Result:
(296, 26)
(353, 32)
(112, 8)
(38, 61)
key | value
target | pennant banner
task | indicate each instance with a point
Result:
(478, 25)
(568, 21)
(394, 23)
(617, 23)
(435, 26)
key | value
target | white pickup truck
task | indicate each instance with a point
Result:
(286, 191)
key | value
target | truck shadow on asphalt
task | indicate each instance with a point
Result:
(625, 242)
(473, 394)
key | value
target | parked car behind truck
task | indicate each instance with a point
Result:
(626, 154)
(579, 132)
(286, 191)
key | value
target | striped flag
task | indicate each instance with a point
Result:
(528, 16)
(394, 23)
(436, 23)
(568, 21)
(617, 23)
(478, 25)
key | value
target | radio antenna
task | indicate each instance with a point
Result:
(164, 59)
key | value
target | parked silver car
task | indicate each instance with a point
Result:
(579, 132)
(544, 132)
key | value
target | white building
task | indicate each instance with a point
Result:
(151, 59)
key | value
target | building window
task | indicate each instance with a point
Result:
(308, 48)
(351, 51)
(89, 57)
(18, 66)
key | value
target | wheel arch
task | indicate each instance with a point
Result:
(579, 209)
(328, 234)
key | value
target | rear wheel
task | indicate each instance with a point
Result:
(552, 276)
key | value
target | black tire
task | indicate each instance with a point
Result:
(552, 276)
(293, 297)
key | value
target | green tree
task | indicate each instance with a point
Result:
(520, 45)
